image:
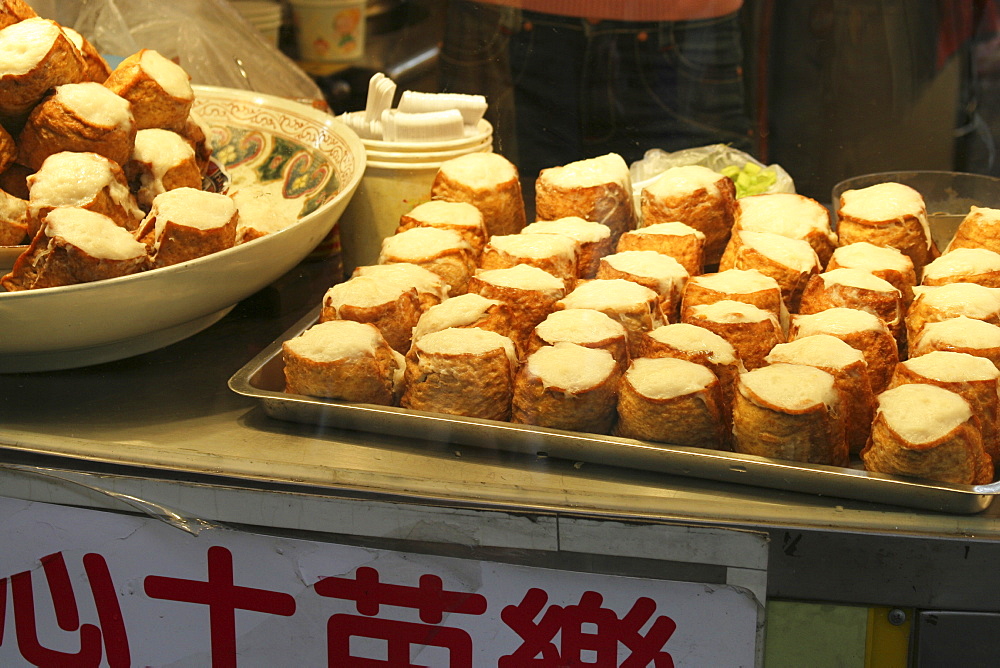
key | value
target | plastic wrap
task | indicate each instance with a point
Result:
(714, 156)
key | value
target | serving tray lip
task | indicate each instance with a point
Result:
(260, 380)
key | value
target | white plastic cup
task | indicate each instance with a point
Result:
(329, 31)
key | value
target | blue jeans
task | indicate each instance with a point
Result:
(563, 89)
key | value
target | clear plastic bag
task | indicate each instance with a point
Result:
(716, 157)
(208, 38)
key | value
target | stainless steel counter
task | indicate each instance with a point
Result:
(169, 416)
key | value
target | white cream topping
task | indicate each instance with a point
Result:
(421, 243)
(952, 367)
(603, 170)
(193, 208)
(886, 201)
(693, 339)
(971, 299)
(665, 270)
(731, 312)
(479, 171)
(736, 281)
(685, 180)
(673, 228)
(71, 178)
(857, 278)
(922, 413)
(793, 387)
(536, 246)
(523, 277)
(93, 233)
(963, 262)
(361, 291)
(170, 76)
(584, 231)
(795, 254)
(440, 213)
(465, 340)
(571, 367)
(985, 212)
(336, 340)
(821, 350)
(407, 275)
(161, 150)
(962, 332)
(667, 377)
(839, 320)
(608, 294)
(863, 255)
(95, 104)
(786, 214)
(460, 311)
(24, 44)
(263, 206)
(579, 325)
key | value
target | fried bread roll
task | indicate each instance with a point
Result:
(594, 240)
(195, 133)
(790, 411)
(742, 285)
(951, 300)
(887, 263)
(35, 56)
(13, 220)
(672, 401)
(584, 327)
(973, 378)
(861, 330)
(596, 189)
(555, 253)
(530, 292)
(567, 386)
(85, 180)
(161, 160)
(635, 306)
(95, 68)
(431, 288)
(460, 217)
(78, 117)
(965, 265)
(489, 182)
(790, 262)
(925, 431)
(887, 214)
(75, 246)
(856, 288)
(959, 335)
(660, 273)
(461, 371)
(850, 372)
(979, 229)
(444, 252)
(12, 11)
(468, 310)
(790, 215)
(676, 239)
(752, 331)
(158, 89)
(187, 223)
(696, 196)
(8, 149)
(393, 309)
(343, 360)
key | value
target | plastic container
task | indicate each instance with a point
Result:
(329, 31)
(482, 133)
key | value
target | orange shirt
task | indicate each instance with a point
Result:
(628, 10)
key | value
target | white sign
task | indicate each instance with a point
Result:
(90, 588)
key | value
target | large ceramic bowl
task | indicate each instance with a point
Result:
(316, 159)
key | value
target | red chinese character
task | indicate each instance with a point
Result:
(539, 638)
(431, 601)
(109, 638)
(223, 599)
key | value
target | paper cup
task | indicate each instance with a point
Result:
(329, 31)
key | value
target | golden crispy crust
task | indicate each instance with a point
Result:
(528, 307)
(713, 216)
(480, 386)
(476, 238)
(502, 206)
(617, 346)
(179, 243)
(13, 220)
(607, 203)
(669, 302)
(395, 319)
(752, 340)
(687, 249)
(977, 231)
(920, 313)
(367, 379)
(901, 280)
(8, 149)
(186, 174)
(957, 457)
(20, 93)
(560, 267)
(791, 280)
(95, 68)
(905, 235)
(12, 11)
(698, 419)
(696, 293)
(152, 106)
(878, 347)
(52, 128)
(888, 306)
(124, 214)
(592, 410)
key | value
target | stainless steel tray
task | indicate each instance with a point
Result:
(263, 379)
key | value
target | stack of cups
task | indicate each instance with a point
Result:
(398, 177)
(264, 15)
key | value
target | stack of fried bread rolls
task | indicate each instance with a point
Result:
(795, 343)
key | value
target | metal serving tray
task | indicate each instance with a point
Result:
(263, 379)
